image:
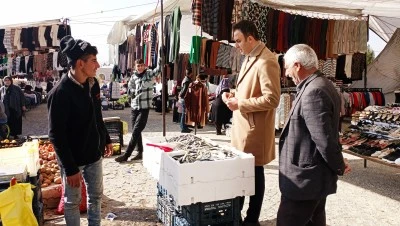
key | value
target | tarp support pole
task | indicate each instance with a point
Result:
(163, 75)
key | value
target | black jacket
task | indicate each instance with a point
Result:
(76, 126)
(185, 86)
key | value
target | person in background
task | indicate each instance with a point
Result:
(253, 104)
(141, 88)
(49, 85)
(77, 130)
(35, 97)
(220, 113)
(185, 86)
(176, 89)
(3, 121)
(310, 156)
(14, 103)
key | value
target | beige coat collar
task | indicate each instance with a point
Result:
(249, 61)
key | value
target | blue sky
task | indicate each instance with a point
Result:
(91, 20)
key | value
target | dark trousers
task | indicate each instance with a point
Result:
(15, 123)
(218, 126)
(183, 118)
(256, 200)
(139, 121)
(301, 213)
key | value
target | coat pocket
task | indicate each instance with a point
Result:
(251, 120)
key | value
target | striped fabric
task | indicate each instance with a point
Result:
(214, 17)
(196, 12)
(205, 16)
(142, 88)
(223, 56)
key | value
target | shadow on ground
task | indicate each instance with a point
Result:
(377, 178)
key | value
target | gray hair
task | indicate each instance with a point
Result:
(302, 54)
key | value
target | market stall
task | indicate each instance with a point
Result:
(19, 161)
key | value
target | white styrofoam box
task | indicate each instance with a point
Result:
(207, 171)
(152, 156)
(209, 191)
(207, 181)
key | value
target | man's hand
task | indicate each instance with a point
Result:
(23, 108)
(226, 96)
(347, 168)
(232, 104)
(74, 180)
(108, 150)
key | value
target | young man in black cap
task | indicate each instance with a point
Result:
(77, 130)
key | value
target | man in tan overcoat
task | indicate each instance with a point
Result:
(253, 104)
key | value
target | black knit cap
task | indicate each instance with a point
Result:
(75, 48)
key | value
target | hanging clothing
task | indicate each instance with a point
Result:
(175, 33)
(195, 50)
(196, 10)
(223, 56)
(206, 22)
(224, 26)
(358, 66)
(3, 49)
(196, 103)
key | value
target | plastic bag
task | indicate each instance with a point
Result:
(16, 206)
(82, 206)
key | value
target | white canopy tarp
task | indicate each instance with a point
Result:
(384, 71)
(384, 16)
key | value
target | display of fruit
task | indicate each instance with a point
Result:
(49, 169)
(7, 141)
(116, 147)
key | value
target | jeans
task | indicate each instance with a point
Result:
(93, 177)
(256, 200)
(139, 121)
(183, 117)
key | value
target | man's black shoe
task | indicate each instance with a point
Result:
(121, 158)
(246, 223)
(139, 156)
(186, 131)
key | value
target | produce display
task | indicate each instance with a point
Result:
(49, 169)
(6, 143)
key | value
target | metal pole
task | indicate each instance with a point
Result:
(163, 76)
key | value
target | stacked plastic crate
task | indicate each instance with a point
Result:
(216, 213)
(115, 130)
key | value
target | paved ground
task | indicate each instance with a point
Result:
(367, 196)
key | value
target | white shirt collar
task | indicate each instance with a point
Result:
(73, 79)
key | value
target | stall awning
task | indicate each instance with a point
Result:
(384, 15)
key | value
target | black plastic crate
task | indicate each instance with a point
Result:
(37, 201)
(161, 191)
(114, 126)
(216, 213)
(115, 130)
(165, 211)
(179, 220)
